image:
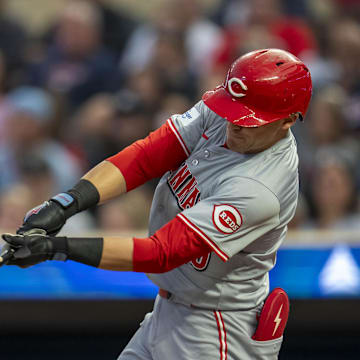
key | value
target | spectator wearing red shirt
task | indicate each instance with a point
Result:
(266, 17)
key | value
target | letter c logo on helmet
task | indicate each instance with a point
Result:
(261, 87)
(233, 89)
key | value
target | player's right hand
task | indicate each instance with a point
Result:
(49, 217)
(29, 250)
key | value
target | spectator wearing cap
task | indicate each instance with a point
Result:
(76, 65)
(27, 130)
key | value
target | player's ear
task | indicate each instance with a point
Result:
(290, 121)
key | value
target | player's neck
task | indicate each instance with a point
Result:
(270, 143)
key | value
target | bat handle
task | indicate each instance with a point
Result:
(6, 256)
(35, 231)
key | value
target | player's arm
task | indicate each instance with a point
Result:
(171, 246)
(143, 160)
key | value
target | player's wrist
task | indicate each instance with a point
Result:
(81, 197)
(84, 250)
(66, 203)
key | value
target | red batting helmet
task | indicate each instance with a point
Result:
(261, 87)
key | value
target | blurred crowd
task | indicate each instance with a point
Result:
(98, 79)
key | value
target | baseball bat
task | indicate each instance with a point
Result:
(6, 256)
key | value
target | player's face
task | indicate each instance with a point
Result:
(249, 140)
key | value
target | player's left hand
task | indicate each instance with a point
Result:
(33, 249)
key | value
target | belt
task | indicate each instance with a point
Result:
(167, 295)
(164, 294)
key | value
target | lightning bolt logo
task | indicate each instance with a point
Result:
(277, 320)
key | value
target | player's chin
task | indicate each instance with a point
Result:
(237, 145)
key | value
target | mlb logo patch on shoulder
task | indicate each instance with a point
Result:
(226, 218)
(190, 115)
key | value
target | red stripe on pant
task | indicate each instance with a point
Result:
(222, 334)
(223, 324)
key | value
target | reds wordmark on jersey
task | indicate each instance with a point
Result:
(184, 187)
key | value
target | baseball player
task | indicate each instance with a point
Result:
(228, 188)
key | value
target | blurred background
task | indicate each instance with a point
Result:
(82, 79)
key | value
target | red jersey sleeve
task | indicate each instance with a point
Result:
(152, 157)
(171, 246)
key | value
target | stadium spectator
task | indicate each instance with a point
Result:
(230, 12)
(268, 18)
(31, 111)
(13, 45)
(91, 130)
(117, 26)
(143, 90)
(344, 35)
(133, 114)
(201, 36)
(168, 61)
(325, 130)
(76, 65)
(127, 214)
(344, 39)
(333, 195)
(172, 103)
(14, 203)
(4, 108)
(35, 173)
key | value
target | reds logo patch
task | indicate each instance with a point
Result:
(226, 218)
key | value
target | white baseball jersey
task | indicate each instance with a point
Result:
(239, 204)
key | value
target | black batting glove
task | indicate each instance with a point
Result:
(28, 250)
(50, 216)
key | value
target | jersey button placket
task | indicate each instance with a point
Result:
(195, 162)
